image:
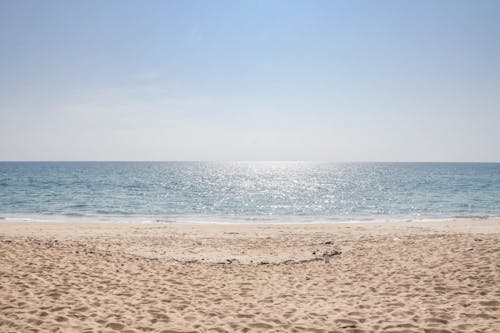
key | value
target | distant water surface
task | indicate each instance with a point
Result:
(248, 191)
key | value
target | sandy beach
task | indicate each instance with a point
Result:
(381, 277)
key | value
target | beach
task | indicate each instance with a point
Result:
(440, 276)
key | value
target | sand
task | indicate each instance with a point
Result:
(391, 277)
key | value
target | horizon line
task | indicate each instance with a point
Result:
(231, 161)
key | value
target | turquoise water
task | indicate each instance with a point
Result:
(248, 191)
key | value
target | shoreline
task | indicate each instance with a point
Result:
(123, 277)
(279, 220)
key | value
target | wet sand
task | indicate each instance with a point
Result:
(382, 277)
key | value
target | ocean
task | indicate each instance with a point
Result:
(243, 192)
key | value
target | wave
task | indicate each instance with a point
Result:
(473, 217)
(81, 217)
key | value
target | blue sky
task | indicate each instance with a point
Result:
(250, 80)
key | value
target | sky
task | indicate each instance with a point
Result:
(250, 80)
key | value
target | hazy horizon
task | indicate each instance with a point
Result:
(333, 81)
(250, 161)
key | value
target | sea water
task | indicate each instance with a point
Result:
(241, 192)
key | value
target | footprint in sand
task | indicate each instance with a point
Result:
(490, 303)
(435, 330)
(260, 325)
(244, 315)
(115, 326)
(436, 321)
(346, 323)
(61, 319)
